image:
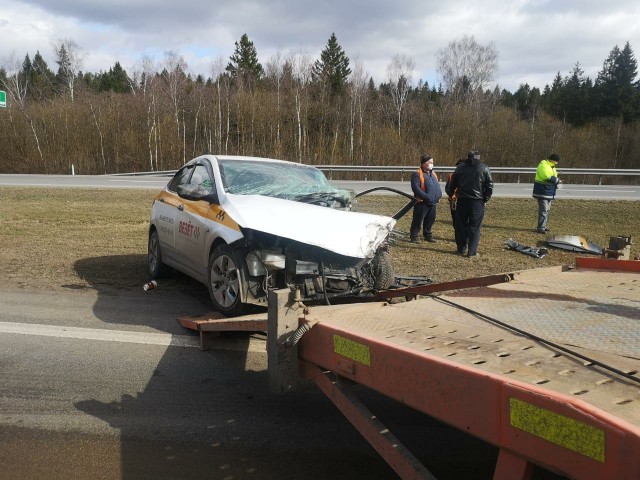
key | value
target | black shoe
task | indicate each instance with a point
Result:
(541, 230)
(414, 240)
(430, 240)
(547, 229)
(475, 256)
(461, 252)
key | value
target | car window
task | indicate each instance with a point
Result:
(272, 178)
(180, 178)
(290, 181)
(202, 178)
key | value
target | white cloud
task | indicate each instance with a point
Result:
(535, 38)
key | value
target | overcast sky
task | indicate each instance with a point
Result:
(535, 39)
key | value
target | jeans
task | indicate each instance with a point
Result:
(544, 205)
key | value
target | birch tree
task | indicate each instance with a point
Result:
(174, 71)
(17, 86)
(275, 72)
(301, 65)
(357, 90)
(399, 75)
(217, 70)
(465, 66)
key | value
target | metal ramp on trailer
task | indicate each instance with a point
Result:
(542, 364)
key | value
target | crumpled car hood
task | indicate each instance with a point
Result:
(347, 233)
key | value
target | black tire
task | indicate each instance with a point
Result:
(224, 282)
(382, 271)
(157, 269)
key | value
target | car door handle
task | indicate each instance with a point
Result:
(181, 207)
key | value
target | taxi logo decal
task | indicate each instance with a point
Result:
(220, 215)
(189, 230)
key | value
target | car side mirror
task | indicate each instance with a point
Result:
(196, 193)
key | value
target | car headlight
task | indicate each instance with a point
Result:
(260, 262)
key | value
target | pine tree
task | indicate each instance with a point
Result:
(616, 92)
(26, 66)
(553, 97)
(116, 79)
(332, 69)
(42, 78)
(244, 63)
(64, 65)
(575, 97)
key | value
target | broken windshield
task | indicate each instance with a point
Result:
(290, 181)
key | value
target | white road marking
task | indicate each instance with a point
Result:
(572, 190)
(151, 180)
(145, 338)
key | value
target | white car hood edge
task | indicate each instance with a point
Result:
(347, 233)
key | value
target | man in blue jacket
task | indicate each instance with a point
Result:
(426, 189)
(544, 189)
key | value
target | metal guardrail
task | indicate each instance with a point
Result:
(402, 170)
(366, 169)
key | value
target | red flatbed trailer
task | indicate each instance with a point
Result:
(543, 364)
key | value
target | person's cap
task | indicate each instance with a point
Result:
(474, 154)
(425, 159)
(555, 157)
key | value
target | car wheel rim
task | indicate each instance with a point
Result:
(224, 281)
(153, 253)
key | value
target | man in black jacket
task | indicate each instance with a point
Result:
(472, 184)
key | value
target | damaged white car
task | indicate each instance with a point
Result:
(244, 225)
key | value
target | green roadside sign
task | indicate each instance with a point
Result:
(3, 98)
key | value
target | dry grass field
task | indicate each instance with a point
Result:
(96, 238)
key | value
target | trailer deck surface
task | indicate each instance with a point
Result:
(445, 356)
(544, 364)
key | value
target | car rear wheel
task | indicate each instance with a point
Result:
(224, 281)
(157, 269)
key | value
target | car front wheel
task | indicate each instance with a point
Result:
(382, 271)
(224, 281)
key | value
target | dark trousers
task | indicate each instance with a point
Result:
(424, 216)
(468, 221)
(452, 209)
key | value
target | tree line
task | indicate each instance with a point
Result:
(318, 111)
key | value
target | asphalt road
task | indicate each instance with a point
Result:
(569, 191)
(100, 384)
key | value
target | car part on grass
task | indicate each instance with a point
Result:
(619, 248)
(574, 243)
(531, 251)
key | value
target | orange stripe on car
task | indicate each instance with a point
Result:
(202, 209)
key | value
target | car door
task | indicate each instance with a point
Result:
(192, 225)
(166, 210)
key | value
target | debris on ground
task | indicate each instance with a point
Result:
(619, 248)
(531, 251)
(574, 243)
